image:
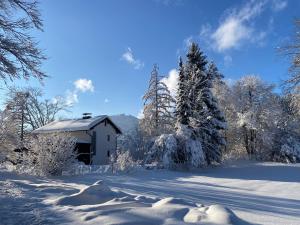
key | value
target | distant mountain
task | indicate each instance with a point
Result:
(127, 123)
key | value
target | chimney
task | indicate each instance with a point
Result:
(86, 115)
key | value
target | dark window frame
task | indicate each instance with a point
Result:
(94, 141)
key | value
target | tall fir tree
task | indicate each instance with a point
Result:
(195, 69)
(158, 107)
(217, 117)
(183, 106)
(206, 118)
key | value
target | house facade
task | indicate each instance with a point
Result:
(96, 137)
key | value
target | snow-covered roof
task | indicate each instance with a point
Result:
(74, 125)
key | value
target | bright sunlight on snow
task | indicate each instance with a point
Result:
(242, 193)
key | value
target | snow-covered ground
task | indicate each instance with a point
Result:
(243, 193)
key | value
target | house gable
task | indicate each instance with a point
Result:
(109, 121)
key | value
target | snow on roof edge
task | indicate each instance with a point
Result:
(70, 125)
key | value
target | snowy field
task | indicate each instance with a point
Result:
(246, 193)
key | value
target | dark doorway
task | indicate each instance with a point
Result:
(83, 151)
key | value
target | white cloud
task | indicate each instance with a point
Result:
(140, 115)
(80, 85)
(71, 98)
(237, 26)
(230, 34)
(106, 100)
(278, 5)
(84, 85)
(129, 58)
(58, 99)
(171, 81)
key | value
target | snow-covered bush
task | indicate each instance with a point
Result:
(289, 151)
(190, 146)
(9, 138)
(50, 154)
(235, 151)
(164, 151)
(182, 150)
(123, 162)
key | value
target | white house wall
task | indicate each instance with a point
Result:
(81, 135)
(102, 143)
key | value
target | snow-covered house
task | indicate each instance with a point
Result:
(96, 136)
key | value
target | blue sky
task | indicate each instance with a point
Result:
(101, 52)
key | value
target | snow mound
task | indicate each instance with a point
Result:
(101, 205)
(215, 214)
(95, 194)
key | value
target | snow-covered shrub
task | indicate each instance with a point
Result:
(289, 151)
(50, 154)
(182, 150)
(164, 151)
(123, 162)
(196, 155)
(9, 138)
(235, 151)
(190, 146)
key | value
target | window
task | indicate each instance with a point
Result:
(94, 138)
(105, 122)
(108, 137)
(108, 154)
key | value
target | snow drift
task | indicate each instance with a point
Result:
(95, 194)
(101, 205)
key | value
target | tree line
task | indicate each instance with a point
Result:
(218, 120)
(208, 121)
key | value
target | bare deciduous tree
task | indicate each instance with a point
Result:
(9, 140)
(20, 56)
(292, 50)
(29, 110)
(158, 107)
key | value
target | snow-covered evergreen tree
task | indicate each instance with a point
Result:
(158, 107)
(206, 119)
(183, 106)
(216, 118)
